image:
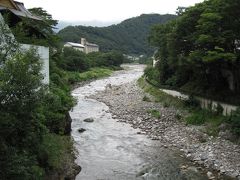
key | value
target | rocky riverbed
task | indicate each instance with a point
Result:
(127, 105)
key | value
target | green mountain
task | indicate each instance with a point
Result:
(130, 36)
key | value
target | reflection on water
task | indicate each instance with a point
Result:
(110, 150)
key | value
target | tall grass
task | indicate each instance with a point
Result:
(197, 116)
(93, 73)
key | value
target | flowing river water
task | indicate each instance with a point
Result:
(110, 150)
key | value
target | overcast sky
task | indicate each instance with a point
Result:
(106, 10)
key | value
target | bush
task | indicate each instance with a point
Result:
(197, 118)
(152, 75)
(75, 60)
(147, 99)
(53, 147)
(219, 109)
(154, 113)
(235, 122)
(172, 81)
(192, 102)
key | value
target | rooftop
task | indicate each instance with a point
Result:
(75, 44)
(91, 44)
(18, 9)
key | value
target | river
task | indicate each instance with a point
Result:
(110, 150)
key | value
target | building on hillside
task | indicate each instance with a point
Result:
(16, 12)
(85, 46)
(76, 46)
(89, 47)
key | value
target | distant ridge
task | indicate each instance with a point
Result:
(129, 36)
(63, 24)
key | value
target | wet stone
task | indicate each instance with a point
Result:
(89, 120)
(81, 130)
(127, 103)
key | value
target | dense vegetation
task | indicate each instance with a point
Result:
(199, 51)
(34, 119)
(75, 60)
(129, 37)
(213, 120)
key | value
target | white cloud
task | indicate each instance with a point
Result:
(106, 10)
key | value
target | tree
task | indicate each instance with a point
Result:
(21, 125)
(8, 45)
(199, 51)
(75, 60)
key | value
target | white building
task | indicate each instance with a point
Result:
(85, 46)
(89, 47)
(76, 46)
(18, 10)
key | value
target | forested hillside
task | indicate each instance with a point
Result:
(130, 36)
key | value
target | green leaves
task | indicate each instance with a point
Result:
(199, 47)
(214, 56)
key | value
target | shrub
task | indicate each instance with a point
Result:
(235, 122)
(154, 113)
(178, 116)
(172, 81)
(147, 99)
(75, 60)
(219, 109)
(197, 118)
(152, 74)
(192, 102)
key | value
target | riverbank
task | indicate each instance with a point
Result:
(77, 79)
(127, 105)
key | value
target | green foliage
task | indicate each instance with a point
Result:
(8, 45)
(178, 116)
(200, 50)
(38, 32)
(93, 73)
(165, 99)
(74, 60)
(219, 109)
(131, 34)
(146, 98)
(211, 120)
(32, 115)
(21, 125)
(192, 102)
(53, 147)
(154, 113)
(197, 118)
(152, 74)
(145, 60)
(235, 122)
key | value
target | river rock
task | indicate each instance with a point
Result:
(217, 153)
(89, 120)
(81, 130)
(210, 175)
(227, 134)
